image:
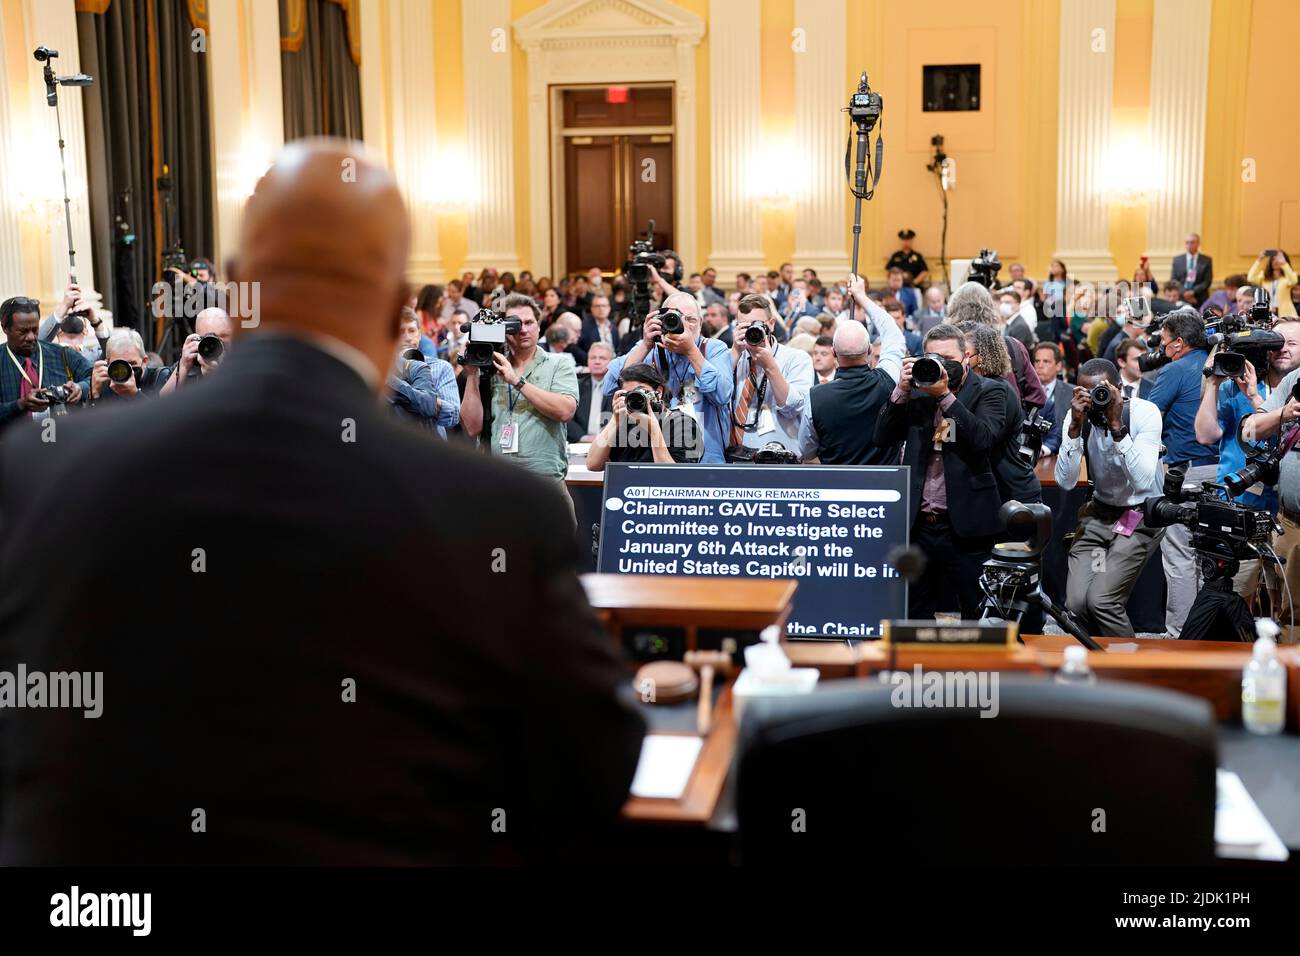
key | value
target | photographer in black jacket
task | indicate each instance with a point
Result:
(953, 432)
(641, 429)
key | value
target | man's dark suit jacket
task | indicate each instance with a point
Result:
(485, 726)
(576, 427)
(978, 414)
(591, 333)
(1057, 408)
(1204, 274)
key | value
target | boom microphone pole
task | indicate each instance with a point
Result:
(864, 109)
(44, 54)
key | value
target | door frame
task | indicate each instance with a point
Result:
(599, 43)
(559, 231)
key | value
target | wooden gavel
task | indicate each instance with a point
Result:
(707, 662)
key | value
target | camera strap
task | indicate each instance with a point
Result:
(40, 369)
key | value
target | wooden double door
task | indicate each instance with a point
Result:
(616, 181)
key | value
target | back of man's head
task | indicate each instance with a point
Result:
(852, 344)
(328, 249)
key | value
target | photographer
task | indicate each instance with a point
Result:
(193, 363)
(29, 367)
(647, 432)
(770, 382)
(839, 418)
(424, 390)
(534, 393)
(1017, 480)
(126, 346)
(1121, 443)
(1177, 395)
(951, 429)
(697, 371)
(972, 302)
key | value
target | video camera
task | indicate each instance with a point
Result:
(984, 268)
(487, 335)
(1243, 337)
(1222, 531)
(641, 259)
(1032, 432)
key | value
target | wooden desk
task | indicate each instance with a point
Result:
(1045, 469)
(743, 604)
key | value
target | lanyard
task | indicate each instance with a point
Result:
(40, 374)
(761, 394)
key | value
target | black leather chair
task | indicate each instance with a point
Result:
(1064, 774)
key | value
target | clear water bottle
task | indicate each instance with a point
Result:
(1263, 684)
(1075, 670)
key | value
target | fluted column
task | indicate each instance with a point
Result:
(11, 257)
(53, 23)
(489, 135)
(247, 107)
(736, 243)
(1087, 55)
(414, 130)
(819, 69)
(1180, 39)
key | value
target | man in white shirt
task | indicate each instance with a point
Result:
(1123, 454)
(771, 381)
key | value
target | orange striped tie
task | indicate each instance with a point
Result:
(742, 407)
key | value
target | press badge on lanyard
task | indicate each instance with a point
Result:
(510, 431)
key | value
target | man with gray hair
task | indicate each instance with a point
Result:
(193, 364)
(973, 303)
(124, 370)
(839, 418)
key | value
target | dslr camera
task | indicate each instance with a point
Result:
(673, 322)
(211, 348)
(641, 401)
(487, 335)
(56, 394)
(984, 268)
(1032, 433)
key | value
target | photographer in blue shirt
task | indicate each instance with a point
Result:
(1177, 394)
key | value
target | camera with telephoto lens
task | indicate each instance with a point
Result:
(1262, 467)
(928, 369)
(1221, 530)
(1101, 397)
(487, 335)
(120, 371)
(984, 268)
(640, 401)
(1032, 433)
(211, 348)
(756, 335)
(673, 322)
(1154, 357)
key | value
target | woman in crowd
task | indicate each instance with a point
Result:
(428, 306)
(1142, 276)
(1272, 271)
(1053, 287)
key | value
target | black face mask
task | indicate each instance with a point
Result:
(72, 324)
(955, 372)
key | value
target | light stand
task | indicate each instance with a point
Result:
(52, 83)
(939, 166)
(865, 108)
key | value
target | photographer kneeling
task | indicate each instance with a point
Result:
(641, 429)
(123, 372)
(1121, 442)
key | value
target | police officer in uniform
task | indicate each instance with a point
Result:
(909, 260)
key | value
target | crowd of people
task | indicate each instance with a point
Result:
(800, 369)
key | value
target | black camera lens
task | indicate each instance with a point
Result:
(119, 371)
(413, 355)
(756, 335)
(211, 348)
(636, 402)
(1101, 396)
(1229, 364)
(927, 370)
(673, 321)
(1154, 359)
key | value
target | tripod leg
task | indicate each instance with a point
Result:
(1065, 619)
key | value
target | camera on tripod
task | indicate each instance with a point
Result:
(487, 335)
(1221, 530)
(865, 105)
(984, 268)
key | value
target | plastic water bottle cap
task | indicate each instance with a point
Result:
(1076, 656)
(1265, 648)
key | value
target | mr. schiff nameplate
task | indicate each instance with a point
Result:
(955, 636)
(828, 527)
